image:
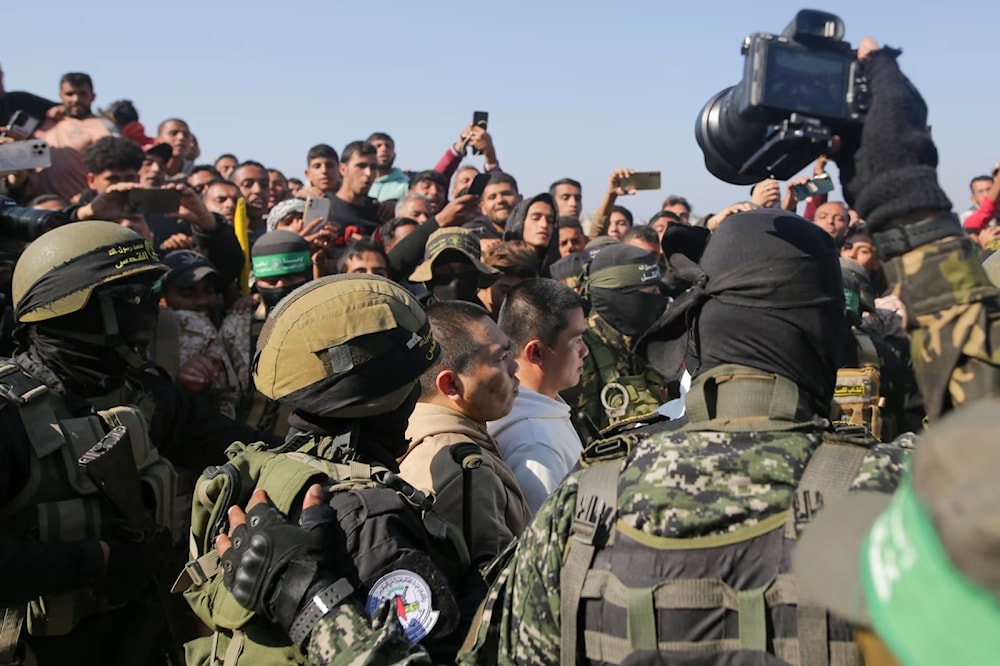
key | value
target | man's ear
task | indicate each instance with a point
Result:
(533, 352)
(90, 180)
(449, 384)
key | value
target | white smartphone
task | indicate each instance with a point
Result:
(318, 207)
(21, 125)
(21, 155)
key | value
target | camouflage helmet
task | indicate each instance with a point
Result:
(57, 273)
(347, 346)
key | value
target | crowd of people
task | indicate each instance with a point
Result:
(393, 416)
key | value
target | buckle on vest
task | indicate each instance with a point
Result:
(614, 412)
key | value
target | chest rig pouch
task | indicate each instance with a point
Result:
(386, 525)
(628, 597)
(625, 396)
(58, 502)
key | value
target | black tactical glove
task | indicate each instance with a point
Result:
(891, 169)
(277, 568)
(129, 572)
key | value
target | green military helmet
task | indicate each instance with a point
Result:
(347, 346)
(992, 268)
(57, 273)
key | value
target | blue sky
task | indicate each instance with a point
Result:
(573, 88)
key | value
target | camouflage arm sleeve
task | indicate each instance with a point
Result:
(346, 636)
(952, 317)
(521, 618)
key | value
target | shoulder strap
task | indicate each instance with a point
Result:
(593, 526)
(867, 353)
(37, 414)
(829, 474)
(166, 346)
(10, 631)
(603, 358)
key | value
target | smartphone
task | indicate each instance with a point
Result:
(480, 119)
(20, 155)
(642, 180)
(21, 126)
(820, 184)
(318, 207)
(154, 202)
(479, 184)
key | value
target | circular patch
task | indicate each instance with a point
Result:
(410, 596)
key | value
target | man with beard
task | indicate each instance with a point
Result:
(352, 208)
(617, 383)
(390, 182)
(83, 301)
(255, 186)
(69, 137)
(496, 203)
(452, 268)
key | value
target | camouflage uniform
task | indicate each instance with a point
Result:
(586, 396)
(199, 336)
(696, 483)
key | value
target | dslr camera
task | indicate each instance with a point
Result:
(799, 90)
(27, 224)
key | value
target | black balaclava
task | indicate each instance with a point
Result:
(92, 350)
(767, 294)
(617, 274)
(280, 253)
(461, 287)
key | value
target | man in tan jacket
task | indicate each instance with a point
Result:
(473, 382)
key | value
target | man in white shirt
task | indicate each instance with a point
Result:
(545, 321)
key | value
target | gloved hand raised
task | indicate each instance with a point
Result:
(889, 170)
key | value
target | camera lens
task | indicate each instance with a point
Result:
(727, 139)
(27, 224)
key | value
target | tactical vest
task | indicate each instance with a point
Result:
(857, 399)
(624, 396)
(630, 597)
(59, 502)
(382, 507)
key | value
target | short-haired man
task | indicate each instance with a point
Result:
(352, 207)
(225, 164)
(619, 222)
(396, 230)
(643, 237)
(294, 185)
(571, 236)
(432, 185)
(833, 218)
(175, 133)
(545, 322)
(255, 186)
(278, 186)
(415, 207)
(323, 169)
(390, 182)
(496, 203)
(463, 178)
(153, 172)
(978, 188)
(472, 382)
(220, 198)
(568, 195)
(201, 176)
(69, 138)
(679, 206)
(363, 256)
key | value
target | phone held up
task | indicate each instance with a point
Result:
(642, 180)
(480, 119)
(154, 202)
(820, 184)
(20, 126)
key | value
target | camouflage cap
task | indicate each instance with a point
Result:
(344, 345)
(457, 240)
(922, 566)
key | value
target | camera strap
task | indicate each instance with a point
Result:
(897, 241)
